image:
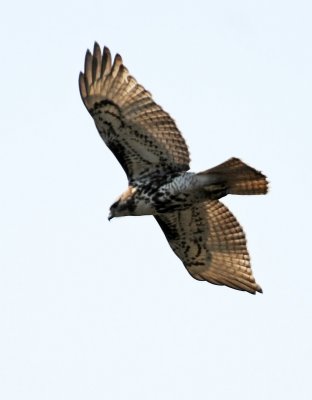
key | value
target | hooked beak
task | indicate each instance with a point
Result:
(110, 216)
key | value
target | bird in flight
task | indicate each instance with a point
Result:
(201, 231)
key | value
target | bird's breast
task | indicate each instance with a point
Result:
(144, 205)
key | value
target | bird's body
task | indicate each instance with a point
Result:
(147, 143)
(161, 194)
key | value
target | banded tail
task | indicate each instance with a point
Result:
(238, 177)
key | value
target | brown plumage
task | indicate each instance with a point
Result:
(146, 141)
(239, 177)
(211, 243)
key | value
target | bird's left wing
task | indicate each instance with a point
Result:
(211, 244)
(142, 136)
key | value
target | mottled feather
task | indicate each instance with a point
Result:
(143, 137)
(202, 232)
(211, 244)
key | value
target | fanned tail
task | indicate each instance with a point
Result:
(238, 177)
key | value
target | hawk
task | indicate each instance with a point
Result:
(201, 231)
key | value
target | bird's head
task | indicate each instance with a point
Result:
(124, 205)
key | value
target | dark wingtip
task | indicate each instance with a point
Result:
(82, 85)
(96, 47)
(259, 290)
(106, 61)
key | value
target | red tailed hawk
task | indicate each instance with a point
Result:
(201, 231)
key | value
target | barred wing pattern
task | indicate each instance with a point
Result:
(211, 244)
(142, 136)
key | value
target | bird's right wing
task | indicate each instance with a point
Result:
(142, 136)
(211, 244)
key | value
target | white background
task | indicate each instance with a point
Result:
(97, 310)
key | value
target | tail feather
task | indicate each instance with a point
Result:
(238, 177)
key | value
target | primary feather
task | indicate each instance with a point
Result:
(142, 136)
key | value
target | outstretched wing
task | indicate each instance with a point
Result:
(142, 136)
(211, 244)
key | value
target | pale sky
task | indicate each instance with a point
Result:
(97, 310)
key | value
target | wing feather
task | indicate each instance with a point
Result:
(142, 136)
(106, 59)
(211, 244)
